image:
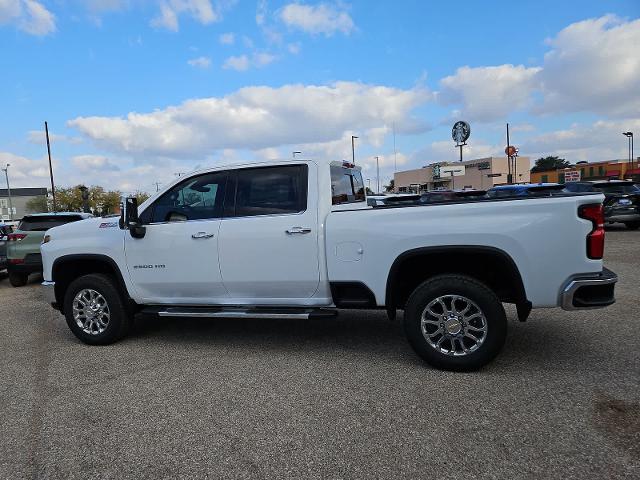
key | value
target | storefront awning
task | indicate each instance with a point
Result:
(613, 173)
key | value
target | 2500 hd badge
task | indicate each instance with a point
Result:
(149, 266)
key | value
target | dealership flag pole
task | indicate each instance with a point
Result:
(53, 188)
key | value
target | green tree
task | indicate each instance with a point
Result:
(549, 163)
(141, 196)
(391, 186)
(37, 205)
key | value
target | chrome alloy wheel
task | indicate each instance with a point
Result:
(453, 325)
(91, 311)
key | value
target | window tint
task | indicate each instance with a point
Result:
(346, 185)
(617, 188)
(40, 224)
(196, 198)
(271, 190)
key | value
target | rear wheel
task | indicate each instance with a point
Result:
(95, 310)
(632, 225)
(454, 322)
(18, 279)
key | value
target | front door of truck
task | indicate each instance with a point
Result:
(269, 238)
(177, 259)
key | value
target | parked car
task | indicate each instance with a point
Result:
(5, 230)
(392, 199)
(621, 199)
(23, 245)
(524, 190)
(296, 240)
(440, 196)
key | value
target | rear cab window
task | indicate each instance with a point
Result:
(346, 184)
(43, 223)
(277, 190)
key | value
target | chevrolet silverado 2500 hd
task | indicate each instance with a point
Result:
(296, 239)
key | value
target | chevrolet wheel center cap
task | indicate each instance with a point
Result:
(453, 326)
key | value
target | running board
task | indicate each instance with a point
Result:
(243, 312)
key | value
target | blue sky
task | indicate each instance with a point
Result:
(136, 90)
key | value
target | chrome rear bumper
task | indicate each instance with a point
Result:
(589, 291)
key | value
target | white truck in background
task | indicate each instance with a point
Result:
(296, 239)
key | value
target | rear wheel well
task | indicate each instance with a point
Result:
(491, 266)
(66, 269)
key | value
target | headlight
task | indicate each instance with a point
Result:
(46, 239)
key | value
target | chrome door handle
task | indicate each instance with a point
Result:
(296, 230)
(202, 235)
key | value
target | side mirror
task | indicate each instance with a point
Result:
(129, 219)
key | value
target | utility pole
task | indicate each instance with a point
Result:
(509, 176)
(53, 188)
(378, 173)
(353, 149)
(6, 175)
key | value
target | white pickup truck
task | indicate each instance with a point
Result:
(296, 240)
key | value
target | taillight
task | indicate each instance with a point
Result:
(595, 239)
(16, 237)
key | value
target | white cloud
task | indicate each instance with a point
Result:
(294, 48)
(489, 93)
(242, 63)
(255, 118)
(601, 140)
(239, 63)
(317, 19)
(594, 65)
(261, 59)
(261, 12)
(29, 16)
(88, 163)
(25, 172)
(200, 10)
(200, 62)
(227, 38)
(38, 137)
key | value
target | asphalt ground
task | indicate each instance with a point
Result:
(340, 398)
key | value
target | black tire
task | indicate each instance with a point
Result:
(632, 225)
(485, 300)
(119, 317)
(18, 279)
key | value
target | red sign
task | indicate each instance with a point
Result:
(511, 151)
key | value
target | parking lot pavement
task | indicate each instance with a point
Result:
(343, 398)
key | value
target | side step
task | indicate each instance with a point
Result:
(243, 312)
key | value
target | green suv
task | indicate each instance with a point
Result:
(23, 245)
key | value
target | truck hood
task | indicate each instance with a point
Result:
(82, 227)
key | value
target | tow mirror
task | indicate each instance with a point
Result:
(129, 219)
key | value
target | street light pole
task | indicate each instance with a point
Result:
(378, 173)
(629, 135)
(353, 149)
(53, 188)
(6, 175)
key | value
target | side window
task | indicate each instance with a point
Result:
(196, 198)
(346, 185)
(271, 190)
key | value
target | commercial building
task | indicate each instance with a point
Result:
(479, 174)
(19, 199)
(607, 170)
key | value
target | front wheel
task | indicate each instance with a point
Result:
(455, 322)
(95, 311)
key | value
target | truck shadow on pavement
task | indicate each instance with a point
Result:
(539, 344)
